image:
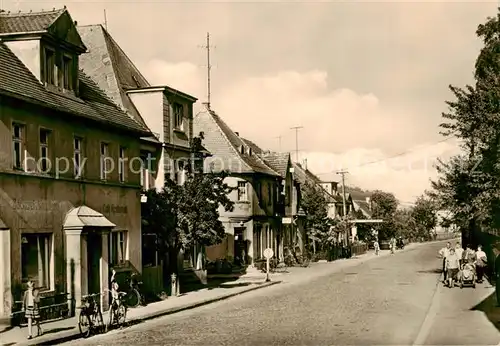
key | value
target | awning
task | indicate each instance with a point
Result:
(86, 217)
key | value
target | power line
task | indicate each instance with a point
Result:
(391, 157)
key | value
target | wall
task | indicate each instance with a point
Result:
(150, 107)
(29, 53)
(39, 205)
(61, 142)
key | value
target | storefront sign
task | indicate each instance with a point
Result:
(286, 220)
(34, 204)
(114, 209)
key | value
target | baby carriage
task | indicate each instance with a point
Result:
(468, 275)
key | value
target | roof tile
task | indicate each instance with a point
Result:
(28, 22)
(17, 81)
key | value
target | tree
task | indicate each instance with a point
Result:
(384, 206)
(404, 224)
(468, 185)
(315, 207)
(184, 215)
(424, 216)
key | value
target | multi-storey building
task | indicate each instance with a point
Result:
(253, 225)
(70, 166)
(166, 111)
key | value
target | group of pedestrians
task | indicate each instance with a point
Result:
(454, 258)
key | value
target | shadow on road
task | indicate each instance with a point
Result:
(430, 271)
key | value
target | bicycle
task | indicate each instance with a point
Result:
(117, 311)
(134, 295)
(90, 316)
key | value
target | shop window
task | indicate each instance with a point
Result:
(36, 252)
(117, 247)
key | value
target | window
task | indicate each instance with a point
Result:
(145, 169)
(36, 252)
(117, 247)
(49, 65)
(44, 165)
(77, 157)
(17, 146)
(104, 161)
(269, 194)
(67, 66)
(242, 191)
(242, 149)
(121, 165)
(178, 111)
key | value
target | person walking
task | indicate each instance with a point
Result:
(452, 267)
(444, 252)
(31, 301)
(376, 246)
(469, 255)
(481, 262)
(459, 251)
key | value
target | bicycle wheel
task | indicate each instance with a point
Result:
(133, 298)
(110, 318)
(84, 324)
(98, 322)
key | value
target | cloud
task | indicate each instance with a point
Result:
(341, 128)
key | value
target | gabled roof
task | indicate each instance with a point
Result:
(305, 176)
(21, 22)
(279, 162)
(56, 22)
(108, 65)
(255, 148)
(225, 146)
(17, 81)
(364, 207)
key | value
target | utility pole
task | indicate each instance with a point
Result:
(105, 21)
(296, 128)
(209, 68)
(343, 173)
(279, 142)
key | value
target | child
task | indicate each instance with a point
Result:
(376, 246)
(31, 301)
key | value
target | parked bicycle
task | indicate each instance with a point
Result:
(90, 318)
(134, 295)
(117, 310)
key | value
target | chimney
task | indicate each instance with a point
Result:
(207, 105)
(237, 134)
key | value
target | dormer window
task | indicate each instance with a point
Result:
(250, 151)
(49, 66)
(178, 111)
(66, 75)
(242, 150)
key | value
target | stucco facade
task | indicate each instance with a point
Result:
(34, 206)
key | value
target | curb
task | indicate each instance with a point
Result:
(75, 334)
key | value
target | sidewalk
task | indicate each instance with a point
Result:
(67, 329)
(64, 330)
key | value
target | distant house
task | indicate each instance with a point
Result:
(253, 225)
(291, 234)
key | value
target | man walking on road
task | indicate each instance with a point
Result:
(444, 252)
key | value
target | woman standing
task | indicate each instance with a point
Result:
(481, 261)
(31, 301)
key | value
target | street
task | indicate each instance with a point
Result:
(389, 300)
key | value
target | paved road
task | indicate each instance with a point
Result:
(389, 300)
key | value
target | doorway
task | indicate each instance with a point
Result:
(94, 252)
(240, 247)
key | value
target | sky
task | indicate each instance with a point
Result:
(367, 81)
